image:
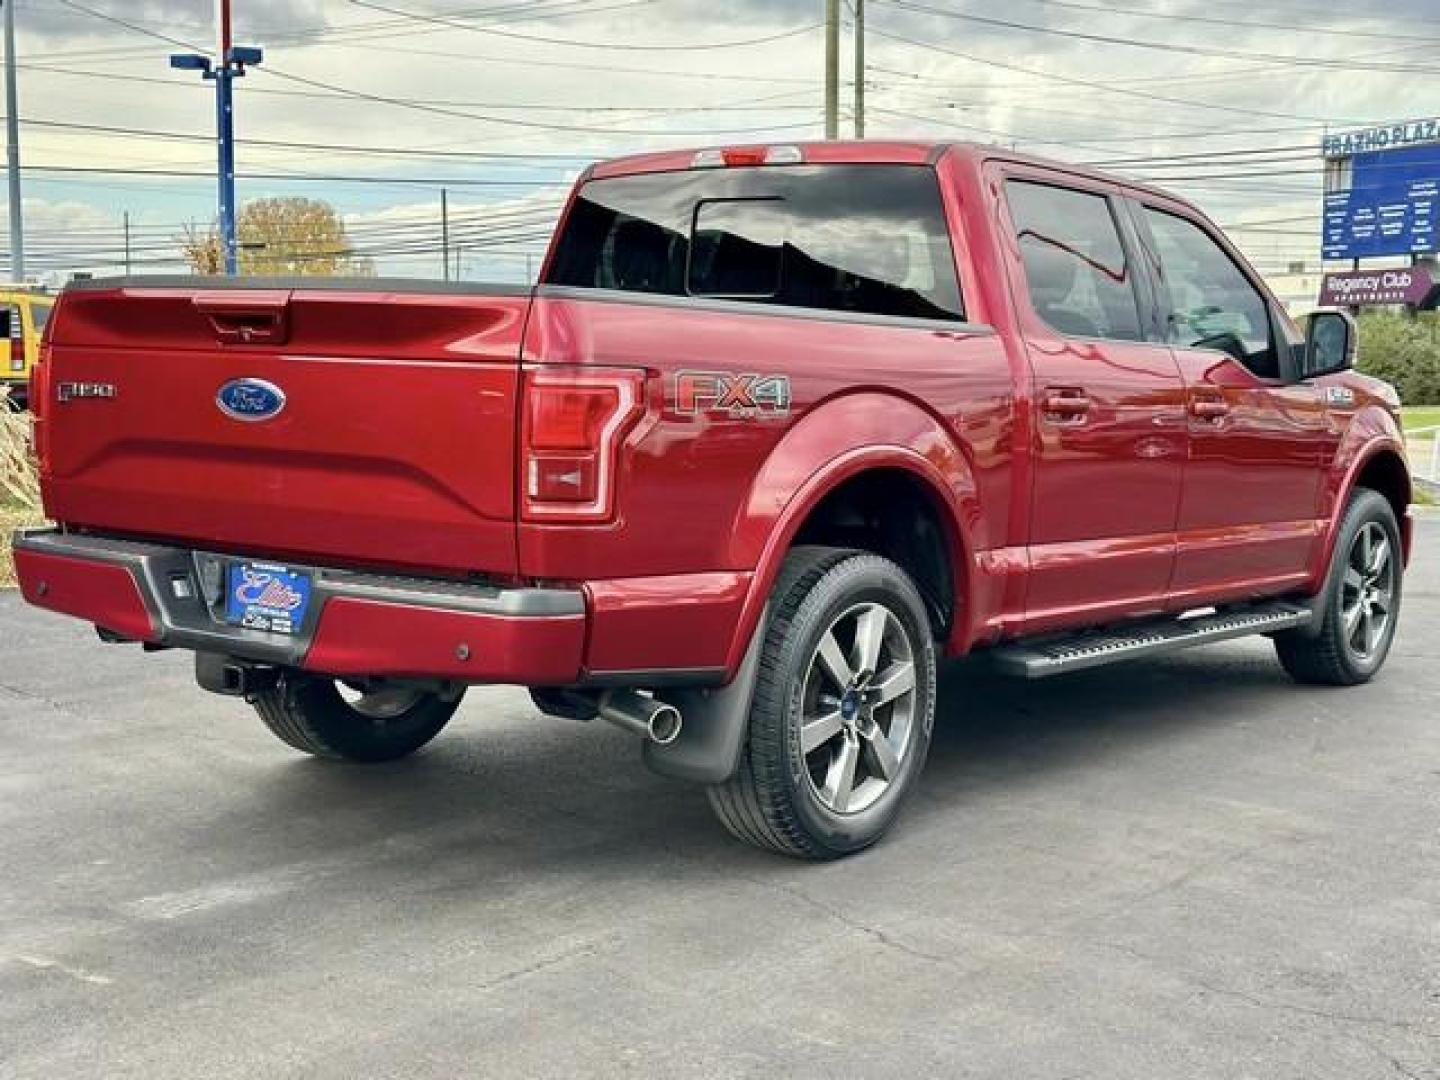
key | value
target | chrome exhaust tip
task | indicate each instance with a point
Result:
(655, 721)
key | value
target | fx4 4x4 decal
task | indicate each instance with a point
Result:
(746, 397)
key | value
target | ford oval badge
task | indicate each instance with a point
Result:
(250, 399)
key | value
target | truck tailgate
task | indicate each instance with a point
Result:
(393, 443)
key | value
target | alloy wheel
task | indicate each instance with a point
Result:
(379, 703)
(858, 708)
(1367, 592)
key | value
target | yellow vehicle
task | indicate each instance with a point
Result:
(23, 314)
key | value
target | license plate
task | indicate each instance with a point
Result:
(263, 596)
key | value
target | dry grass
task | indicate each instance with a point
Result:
(19, 485)
(12, 517)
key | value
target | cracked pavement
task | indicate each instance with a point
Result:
(1185, 868)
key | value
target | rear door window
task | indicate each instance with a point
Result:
(1079, 278)
(867, 239)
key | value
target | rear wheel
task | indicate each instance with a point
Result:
(843, 710)
(1362, 602)
(364, 722)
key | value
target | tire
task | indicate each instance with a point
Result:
(1362, 601)
(309, 713)
(791, 793)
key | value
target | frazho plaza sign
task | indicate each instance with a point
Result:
(1367, 140)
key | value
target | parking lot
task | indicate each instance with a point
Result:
(1188, 868)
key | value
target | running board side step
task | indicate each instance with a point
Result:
(1054, 656)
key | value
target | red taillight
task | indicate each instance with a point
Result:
(575, 419)
(17, 354)
(40, 407)
(572, 417)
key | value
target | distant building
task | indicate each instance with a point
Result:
(1298, 287)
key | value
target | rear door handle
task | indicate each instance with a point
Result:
(1209, 409)
(1065, 404)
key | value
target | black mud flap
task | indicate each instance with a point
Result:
(715, 722)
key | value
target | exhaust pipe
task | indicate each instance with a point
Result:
(643, 716)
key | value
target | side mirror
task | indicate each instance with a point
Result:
(1331, 339)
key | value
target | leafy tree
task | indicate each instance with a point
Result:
(283, 236)
(1404, 351)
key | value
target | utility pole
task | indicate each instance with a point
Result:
(228, 66)
(832, 69)
(445, 230)
(859, 69)
(127, 243)
(12, 150)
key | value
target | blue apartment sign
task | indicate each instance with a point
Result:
(1382, 202)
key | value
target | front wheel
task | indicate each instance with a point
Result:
(843, 710)
(1362, 602)
(364, 722)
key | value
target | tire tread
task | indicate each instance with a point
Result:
(1320, 659)
(305, 713)
(753, 805)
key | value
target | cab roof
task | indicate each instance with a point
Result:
(857, 152)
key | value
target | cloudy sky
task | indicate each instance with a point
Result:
(375, 105)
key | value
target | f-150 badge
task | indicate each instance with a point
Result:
(79, 391)
(742, 397)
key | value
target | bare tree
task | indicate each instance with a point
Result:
(282, 236)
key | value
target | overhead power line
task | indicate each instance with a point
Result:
(386, 29)
(115, 20)
(426, 181)
(607, 46)
(1308, 29)
(1164, 47)
(1100, 85)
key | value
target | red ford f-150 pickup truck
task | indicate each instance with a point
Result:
(780, 427)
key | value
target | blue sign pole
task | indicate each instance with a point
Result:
(225, 123)
(228, 66)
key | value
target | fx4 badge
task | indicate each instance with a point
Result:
(742, 397)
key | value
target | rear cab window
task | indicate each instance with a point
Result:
(861, 239)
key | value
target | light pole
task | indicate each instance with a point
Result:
(859, 69)
(832, 69)
(229, 66)
(12, 150)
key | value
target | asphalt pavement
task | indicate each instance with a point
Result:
(1185, 869)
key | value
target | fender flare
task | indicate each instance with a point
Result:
(836, 441)
(1360, 454)
(713, 737)
(1340, 492)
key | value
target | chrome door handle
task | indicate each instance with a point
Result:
(1209, 409)
(1065, 405)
